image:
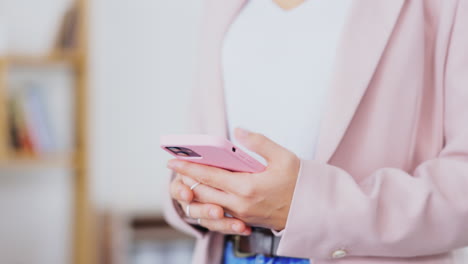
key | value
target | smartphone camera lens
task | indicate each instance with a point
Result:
(174, 149)
(233, 149)
(183, 152)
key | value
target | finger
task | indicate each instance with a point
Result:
(215, 177)
(226, 226)
(179, 191)
(204, 211)
(260, 144)
(206, 194)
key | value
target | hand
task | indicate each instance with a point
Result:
(259, 199)
(211, 216)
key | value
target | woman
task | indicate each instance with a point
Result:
(360, 109)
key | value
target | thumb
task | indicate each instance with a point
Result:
(259, 144)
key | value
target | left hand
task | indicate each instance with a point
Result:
(259, 199)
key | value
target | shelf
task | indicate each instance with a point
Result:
(31, 60)
(76, 159)
(46, 161)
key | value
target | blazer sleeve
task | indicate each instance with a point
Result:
(393, 213)
(172, 213)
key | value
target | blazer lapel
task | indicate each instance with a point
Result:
(218, 16)
(364, 39)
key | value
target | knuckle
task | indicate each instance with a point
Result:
(226, 226)
(177, 177)
(184, 167)
(243, 210)
(291, 158)
(174, 187)
(176, 190)
(187, 181)
(204, 178)
(217, 226)
(247, 191)
(293, 162)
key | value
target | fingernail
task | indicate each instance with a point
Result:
(213, 213)
(236, 227)
(243, 132)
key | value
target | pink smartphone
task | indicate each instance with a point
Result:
(210, 150)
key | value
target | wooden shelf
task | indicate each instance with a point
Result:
(120, 232)
(83, 242)
(25, 60)
(64, 160)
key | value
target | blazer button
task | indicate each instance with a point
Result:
(341, 253)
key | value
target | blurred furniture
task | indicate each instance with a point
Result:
(141, 239)
(71, 52)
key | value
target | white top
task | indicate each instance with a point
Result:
(277, 66)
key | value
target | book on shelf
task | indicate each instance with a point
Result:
(29, 123)
(68, 34)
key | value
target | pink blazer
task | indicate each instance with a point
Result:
(390, 181)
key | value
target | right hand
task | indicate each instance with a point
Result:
(211, 215)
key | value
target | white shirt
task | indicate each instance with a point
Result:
(277, 67)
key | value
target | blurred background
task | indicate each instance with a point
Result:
(85, 91)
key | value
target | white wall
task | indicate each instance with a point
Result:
(31, 26)
(142, 60)
(35, 220)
